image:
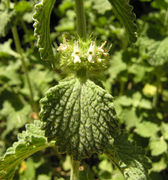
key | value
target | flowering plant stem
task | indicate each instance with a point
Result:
(80, 19)
(81, 30)
(74, 170)
(19, 50)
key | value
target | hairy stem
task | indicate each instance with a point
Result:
(80, 18)
(19, 50)
(74, 170)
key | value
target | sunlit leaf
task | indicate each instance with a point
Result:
(29, 142)
(81, 116)
(158, 146)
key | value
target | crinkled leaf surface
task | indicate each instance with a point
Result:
(123, 10)
(42, 28)
(129, 158)
(80, 116)
(29, 142)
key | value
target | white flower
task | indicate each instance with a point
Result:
(101, 49)
(99, 60)
(76, 59)
(91, 52)
(62, 47)
(75, 53)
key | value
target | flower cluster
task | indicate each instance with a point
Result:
(79, 54)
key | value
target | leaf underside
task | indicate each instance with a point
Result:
(29, 142)
(129, 158)
(42, 29)
(123, 10)
(80, 116)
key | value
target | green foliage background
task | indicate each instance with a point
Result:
(137, 78)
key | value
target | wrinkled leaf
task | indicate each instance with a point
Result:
(29, 142)
(130, 158)
(42, 29)
(80, 115)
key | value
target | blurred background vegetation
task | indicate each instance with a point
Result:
(137, 78)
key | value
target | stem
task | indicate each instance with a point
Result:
(8, 4)
(166, 20)
(74, 170)
(80, 18)
(19, 50)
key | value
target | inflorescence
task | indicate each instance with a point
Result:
(79, 54)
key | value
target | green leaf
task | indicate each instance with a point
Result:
(129, 117)
(164, 130)
(40, 84)
(101, 6)
(129, 158)
(158, 146)
(6, 50)
(138, 71)
(23, 7)
(158, 53)
(42, 29)
(145, 104)
(147, 129)
(105, 165)
(123, 10)
(80, 116)
(9, 74)
(15, 118)
(116, 66)
(29, 142)
(124, 100)
(160, 165)
(30, 172)
(6, 19)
